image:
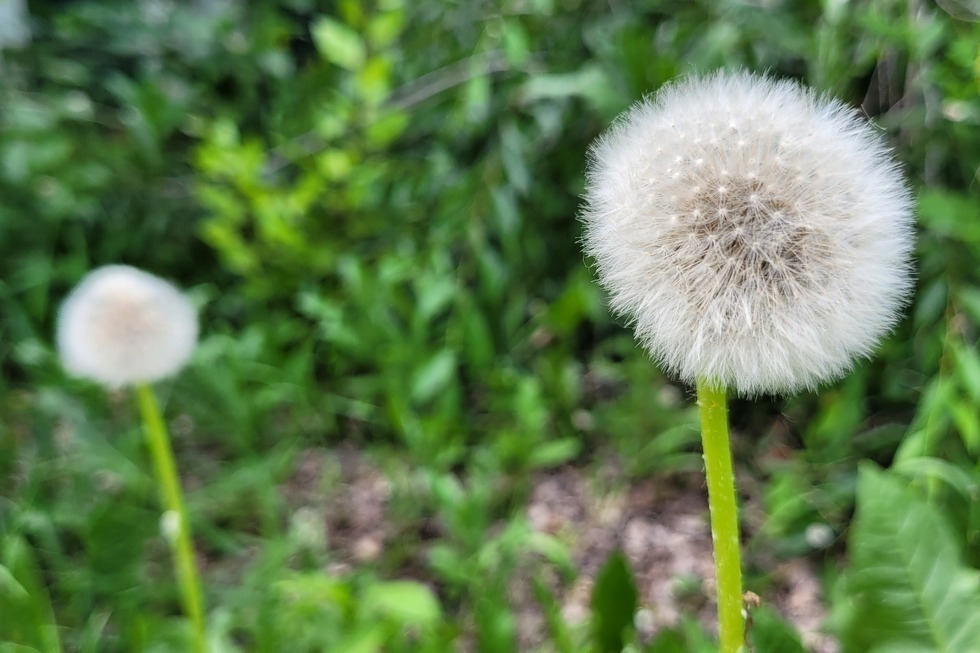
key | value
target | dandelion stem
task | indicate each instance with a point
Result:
(168, 484)
(724, 514)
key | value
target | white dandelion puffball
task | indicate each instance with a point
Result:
(756, 235)
(123, 326)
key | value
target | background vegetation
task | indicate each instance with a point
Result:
(373, 204)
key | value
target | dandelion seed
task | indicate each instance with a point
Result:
(810, 215)
(122, 326)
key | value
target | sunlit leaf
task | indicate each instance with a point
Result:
(338, 43)
(555, 452)
(434, 376)
(405, 602)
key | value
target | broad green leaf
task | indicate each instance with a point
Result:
(476, 95)
(447, 563)
(614, 601)
(385, 27)
(406, 602)
(935, 468)
(369, 640)
(10, 589)
(516, 45)
(338, 43)
(434, 376)
(435, 293)
(308, 590)
(967, 422)
(589, 82)
(907, 586)
(556, 452)
(967, 369)
(374, 81)
(930, 304)
(949, 214)
(553, 551)
(386, 128)
(931, 419)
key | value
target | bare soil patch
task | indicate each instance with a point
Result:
(660, 524)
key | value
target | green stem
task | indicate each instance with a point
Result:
(724, 515)
(173, 501)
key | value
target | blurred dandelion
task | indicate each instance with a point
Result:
(758, 238)
(122, 326)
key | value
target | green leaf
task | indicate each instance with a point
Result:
(589, 82)
(969, 298)
(930, 304)
(614, 601)
(477, 335)
(770, 634)
(516, 45)
(967, 423)
(669, 641)
(338, 43)
(967, 369)
(369, 640)
(558, 631)
(405, 602)
(554, 453)
(10, 647)
(907, 586)
(496, 629)
(434, 375)
(435, 293)
(307, 591)
(930, 422)
(941, 470)
(385, 27)
(687, 638)
(950, 214)
(27, 622)
(553, 551)
(513, 151)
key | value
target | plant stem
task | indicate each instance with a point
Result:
(724, 514)
(168, 484)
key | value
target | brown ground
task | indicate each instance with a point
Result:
(661, 526)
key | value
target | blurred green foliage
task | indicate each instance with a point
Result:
(907, 587)
(373, 204)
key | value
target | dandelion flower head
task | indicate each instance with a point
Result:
(755, 234)
(123, 326)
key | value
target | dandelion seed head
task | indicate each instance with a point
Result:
(123, 326)
(775, 254)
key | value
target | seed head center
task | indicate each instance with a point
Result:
(740, 231)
